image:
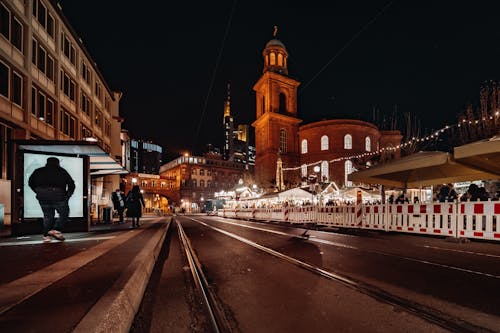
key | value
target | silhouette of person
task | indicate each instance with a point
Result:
(118, 199)
(53, 187)
(134, 203)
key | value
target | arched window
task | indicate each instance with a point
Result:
(282, 106)
(304, 146)
(348, 170)
(303, 169)
(267, 59)
(348, 141)
(280, 59)
(202, 183)
(368, 144)
(324, 142)
(273, 58)
(324, 171)
(283, 141)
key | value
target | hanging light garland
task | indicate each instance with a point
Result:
(433, 135)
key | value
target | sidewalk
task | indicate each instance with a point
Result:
(91, 282)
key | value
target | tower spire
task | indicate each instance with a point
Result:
(275, 31)
(227, 104)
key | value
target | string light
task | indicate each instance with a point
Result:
(434, 135)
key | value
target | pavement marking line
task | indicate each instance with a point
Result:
(72, 240)
(323, 241)
(14, 292)
(217, 218)
(462, 251)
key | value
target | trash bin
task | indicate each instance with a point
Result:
(106, 214)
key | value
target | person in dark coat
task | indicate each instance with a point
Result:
(53, 187)
(134, 203)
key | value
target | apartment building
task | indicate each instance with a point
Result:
(51, 88)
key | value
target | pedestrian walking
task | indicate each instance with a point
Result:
(134, 203)
(118, 199)
(53, 187)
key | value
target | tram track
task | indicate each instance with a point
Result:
(425, 312)
(214, 311)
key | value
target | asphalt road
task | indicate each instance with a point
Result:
(262, 292)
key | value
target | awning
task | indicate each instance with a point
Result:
(101, 163)
(421, 169)
(483, 155)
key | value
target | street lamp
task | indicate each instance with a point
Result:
(316, 170)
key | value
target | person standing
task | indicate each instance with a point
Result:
(53, 187)
(134, 203)
(118, 203)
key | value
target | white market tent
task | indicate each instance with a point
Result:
(483, 155)
(422, 169)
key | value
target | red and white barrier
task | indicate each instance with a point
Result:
(479, 220)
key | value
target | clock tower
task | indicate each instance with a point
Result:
(276, 125)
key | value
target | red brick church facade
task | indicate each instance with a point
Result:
(279, 133)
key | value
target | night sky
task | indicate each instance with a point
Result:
(426, 58)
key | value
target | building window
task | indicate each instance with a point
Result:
(280, 59)
(325, 175)
(49, 117)
(202, 183)
(348, 170)
(41, 106)
(44, 17)
(193, 171)
(194, 182)
(4, 80)
(273, 59)
(98, 90)
(282, 107)
(86, 104)
(17, 89)
(68, 86)
(85, 72)
(303, 146)
(17, 34)
(209, 172)
(303, 169)
(283, 141)
(42, 59)
(67, 123)
(202, 172)
(68, 48)
(324, 142)
(4, 21)
(348, 141)
(368, 144)
(98, 118)
(209, 183)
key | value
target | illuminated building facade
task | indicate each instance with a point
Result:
(50, 87)
(195, 179)
(279, 134)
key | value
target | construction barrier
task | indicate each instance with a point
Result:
(478, 220)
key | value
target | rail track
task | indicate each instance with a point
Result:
(219, 322)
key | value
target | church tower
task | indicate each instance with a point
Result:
(228, 123)
(276, 125)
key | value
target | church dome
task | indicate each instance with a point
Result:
(275, 57)
(275, 42)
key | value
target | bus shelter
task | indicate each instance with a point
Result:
(86, 162)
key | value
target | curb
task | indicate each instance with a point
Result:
(115, 311)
